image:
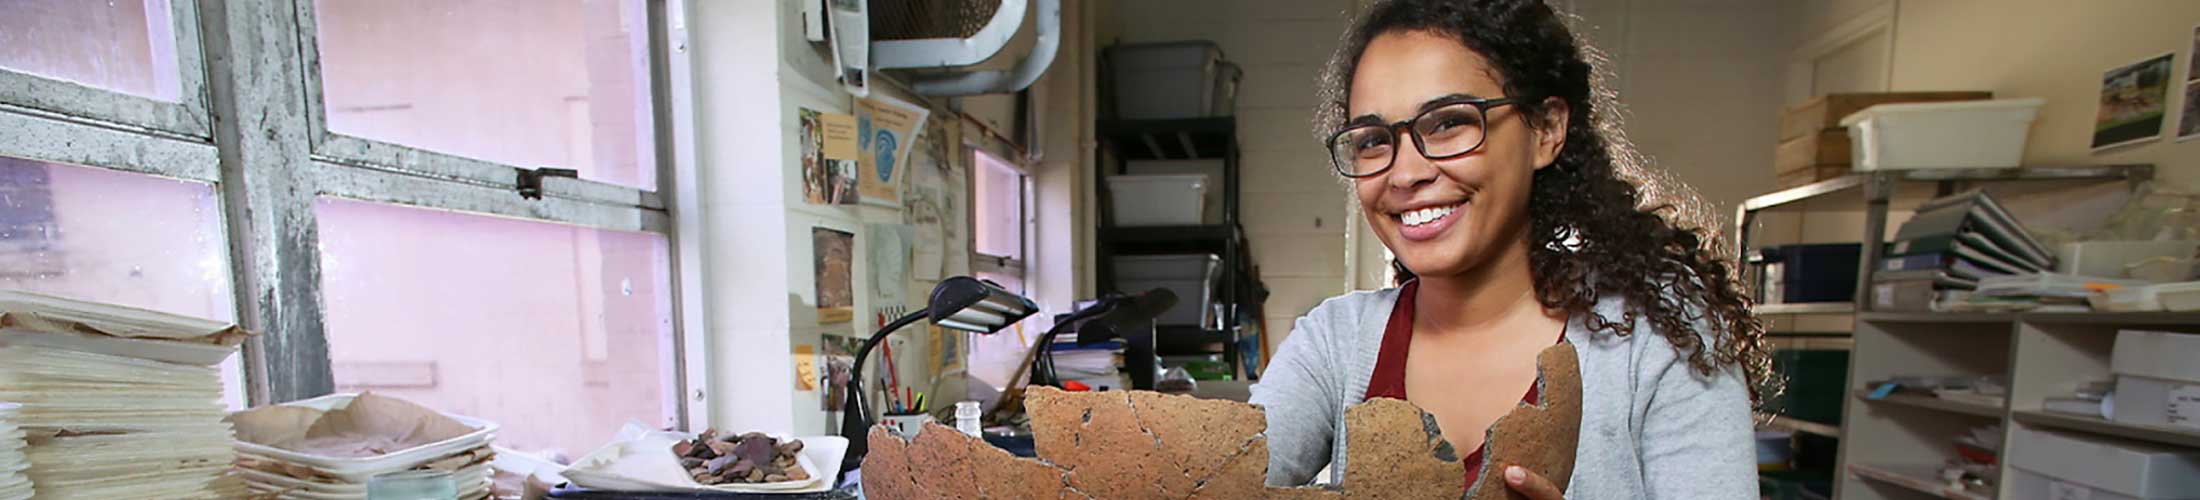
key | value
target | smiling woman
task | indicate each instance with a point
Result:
(1485, 156)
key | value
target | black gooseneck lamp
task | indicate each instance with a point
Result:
(959, 303)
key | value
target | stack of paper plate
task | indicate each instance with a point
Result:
(287, 474)
(13, 486)
(117, 403)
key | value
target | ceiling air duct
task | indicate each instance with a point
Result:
(921, 34)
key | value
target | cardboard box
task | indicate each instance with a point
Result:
(2143, 470)
(2153, 401)
(1798, 178)
(1829, 148)
(1825, 112)
(2155, 354)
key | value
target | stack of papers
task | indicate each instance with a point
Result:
(117, 403)
(1949, 247)
(1097, 365)
(328, 448)
(13, 486)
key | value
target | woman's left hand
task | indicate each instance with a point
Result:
(1530, 484)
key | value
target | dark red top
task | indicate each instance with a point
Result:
(1389, 380)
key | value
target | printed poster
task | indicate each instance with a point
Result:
(838, 356)
(833, 254)
(886, 130)
(2134, 103)
(828, 143)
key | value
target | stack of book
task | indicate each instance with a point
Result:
(1941, 254)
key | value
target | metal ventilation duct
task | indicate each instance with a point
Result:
(909, 34)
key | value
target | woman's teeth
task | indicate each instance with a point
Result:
(1426, 215)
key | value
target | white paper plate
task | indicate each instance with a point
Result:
(368, 467)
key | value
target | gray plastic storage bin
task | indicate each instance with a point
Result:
(1190, 276)
(1170, 80)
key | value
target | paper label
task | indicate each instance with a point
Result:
(2058, 490)
(2184, 406)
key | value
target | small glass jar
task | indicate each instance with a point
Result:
(413, 485)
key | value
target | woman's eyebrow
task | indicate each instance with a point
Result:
(1437, 102)
(1446, 100)
(1366, 119)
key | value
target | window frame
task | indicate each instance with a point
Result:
(339, 149)
(188, 118)
(267, 168)
(981, 262)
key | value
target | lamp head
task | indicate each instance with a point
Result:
(970, 304)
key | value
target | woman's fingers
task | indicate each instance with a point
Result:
(1530, 484)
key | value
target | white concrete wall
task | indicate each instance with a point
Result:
(2054, 50)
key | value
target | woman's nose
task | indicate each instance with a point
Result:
(1410, 168)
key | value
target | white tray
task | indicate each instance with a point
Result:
(471, 477)
(258, 481)
(368, 467)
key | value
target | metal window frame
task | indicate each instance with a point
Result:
(981, 262)
(57, 141)
(282, 161)
(360, 152)
(189, 118)
(248, 68)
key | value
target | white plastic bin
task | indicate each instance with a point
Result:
(1159, 200)
(1170, 80)
(1190, 276)
(1960, 134)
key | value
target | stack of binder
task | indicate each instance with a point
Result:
(1939, 256)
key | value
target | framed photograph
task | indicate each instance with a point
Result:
(2134, 103)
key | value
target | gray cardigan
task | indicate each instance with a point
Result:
(1651, 427)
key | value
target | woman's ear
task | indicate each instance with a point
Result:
(1551, 137)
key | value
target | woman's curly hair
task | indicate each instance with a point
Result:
(1600, 221)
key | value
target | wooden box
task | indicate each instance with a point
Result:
(1825, 112)
(1828, 148)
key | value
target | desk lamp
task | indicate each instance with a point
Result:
(960, 303)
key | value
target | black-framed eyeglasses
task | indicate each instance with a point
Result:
(1446, 130)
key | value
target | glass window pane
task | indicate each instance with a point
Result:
(116, 237)
(560, 333)
(120, 45)
(997, 196)
(523, 82)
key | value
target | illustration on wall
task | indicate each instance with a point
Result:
(828, 145)
(886, 130)
(833, 253)
(839, 359)
(2134, 103)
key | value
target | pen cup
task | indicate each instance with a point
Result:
(905, 426)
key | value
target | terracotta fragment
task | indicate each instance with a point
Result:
(1137, 445)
